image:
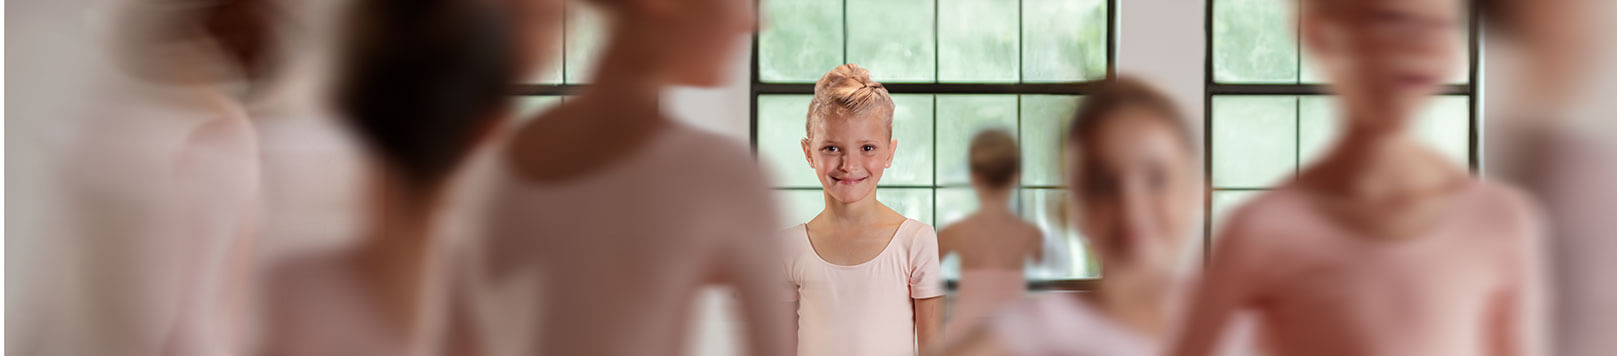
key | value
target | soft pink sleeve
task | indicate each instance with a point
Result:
(1225, 287)
(746, 263)
(1519, 311)
(789, 281)
(926, 277)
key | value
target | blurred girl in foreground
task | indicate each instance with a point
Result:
(605, 216)
(1382, 246)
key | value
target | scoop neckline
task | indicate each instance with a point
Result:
(884, 249)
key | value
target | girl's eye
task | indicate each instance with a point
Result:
(869, 148)
(832, 148)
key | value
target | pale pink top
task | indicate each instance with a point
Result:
(1574, 174)
(1464, 287)
(981, 293)
(1062, 324)
(863, 309)
(611, 263)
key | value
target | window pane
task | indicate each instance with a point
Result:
(1065, 256)
(1254, 42)
(529, 106)
(1063, 40)
(1318, 125)
(799, 206)
(799, 40)
(959, 118)
(586, 35)
(912, 127)
(955, 204)
(978, 41)
(915, 203)
(892, 38)
(1045, 120)
(780, 135)
(1444, 125)
(1254, 140)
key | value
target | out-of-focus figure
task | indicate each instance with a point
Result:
(1381, 247)
(420, 84)
(993, 244)
(1131, 161)
(605, 216)
(160, 183)
(1551, 131)
(865, 279)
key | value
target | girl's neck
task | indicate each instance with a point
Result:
(994, 201)
(867, 211)
(1141, 306)
(1378, 162)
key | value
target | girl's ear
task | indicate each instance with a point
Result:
(808, 155)
(892, 151)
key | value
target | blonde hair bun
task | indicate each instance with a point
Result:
(847, 90)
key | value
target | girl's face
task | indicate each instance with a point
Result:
(1384, 57)
(702, 36)
(849, 154)
(1134, 186)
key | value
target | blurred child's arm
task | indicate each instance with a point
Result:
(928, 322)
(979, 342)
(751, 264)
(926, 289)
(1518, 313)
(1223, 290)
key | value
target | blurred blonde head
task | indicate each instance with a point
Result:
(849, 139)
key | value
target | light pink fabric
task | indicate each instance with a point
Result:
(1464, 287)
(864, 309)
(1063, 324)
(1575, 176)
(981, 293)
(611, 263)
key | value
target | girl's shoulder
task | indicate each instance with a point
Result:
(914, 232)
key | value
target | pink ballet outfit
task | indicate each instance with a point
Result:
(1466, 286)
(1061, 324)
(981, 293)
(865, 309)
(611, 263)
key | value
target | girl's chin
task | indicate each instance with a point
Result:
(848, 196)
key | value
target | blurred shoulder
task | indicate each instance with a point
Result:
(1508, 206)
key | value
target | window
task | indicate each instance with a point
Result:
(581, 32)
(1268, 113)
(954, 67)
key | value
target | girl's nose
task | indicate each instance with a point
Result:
(849, 163)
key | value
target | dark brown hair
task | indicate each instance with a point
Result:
(423, 79)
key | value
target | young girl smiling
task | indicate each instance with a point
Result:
(865, 278)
